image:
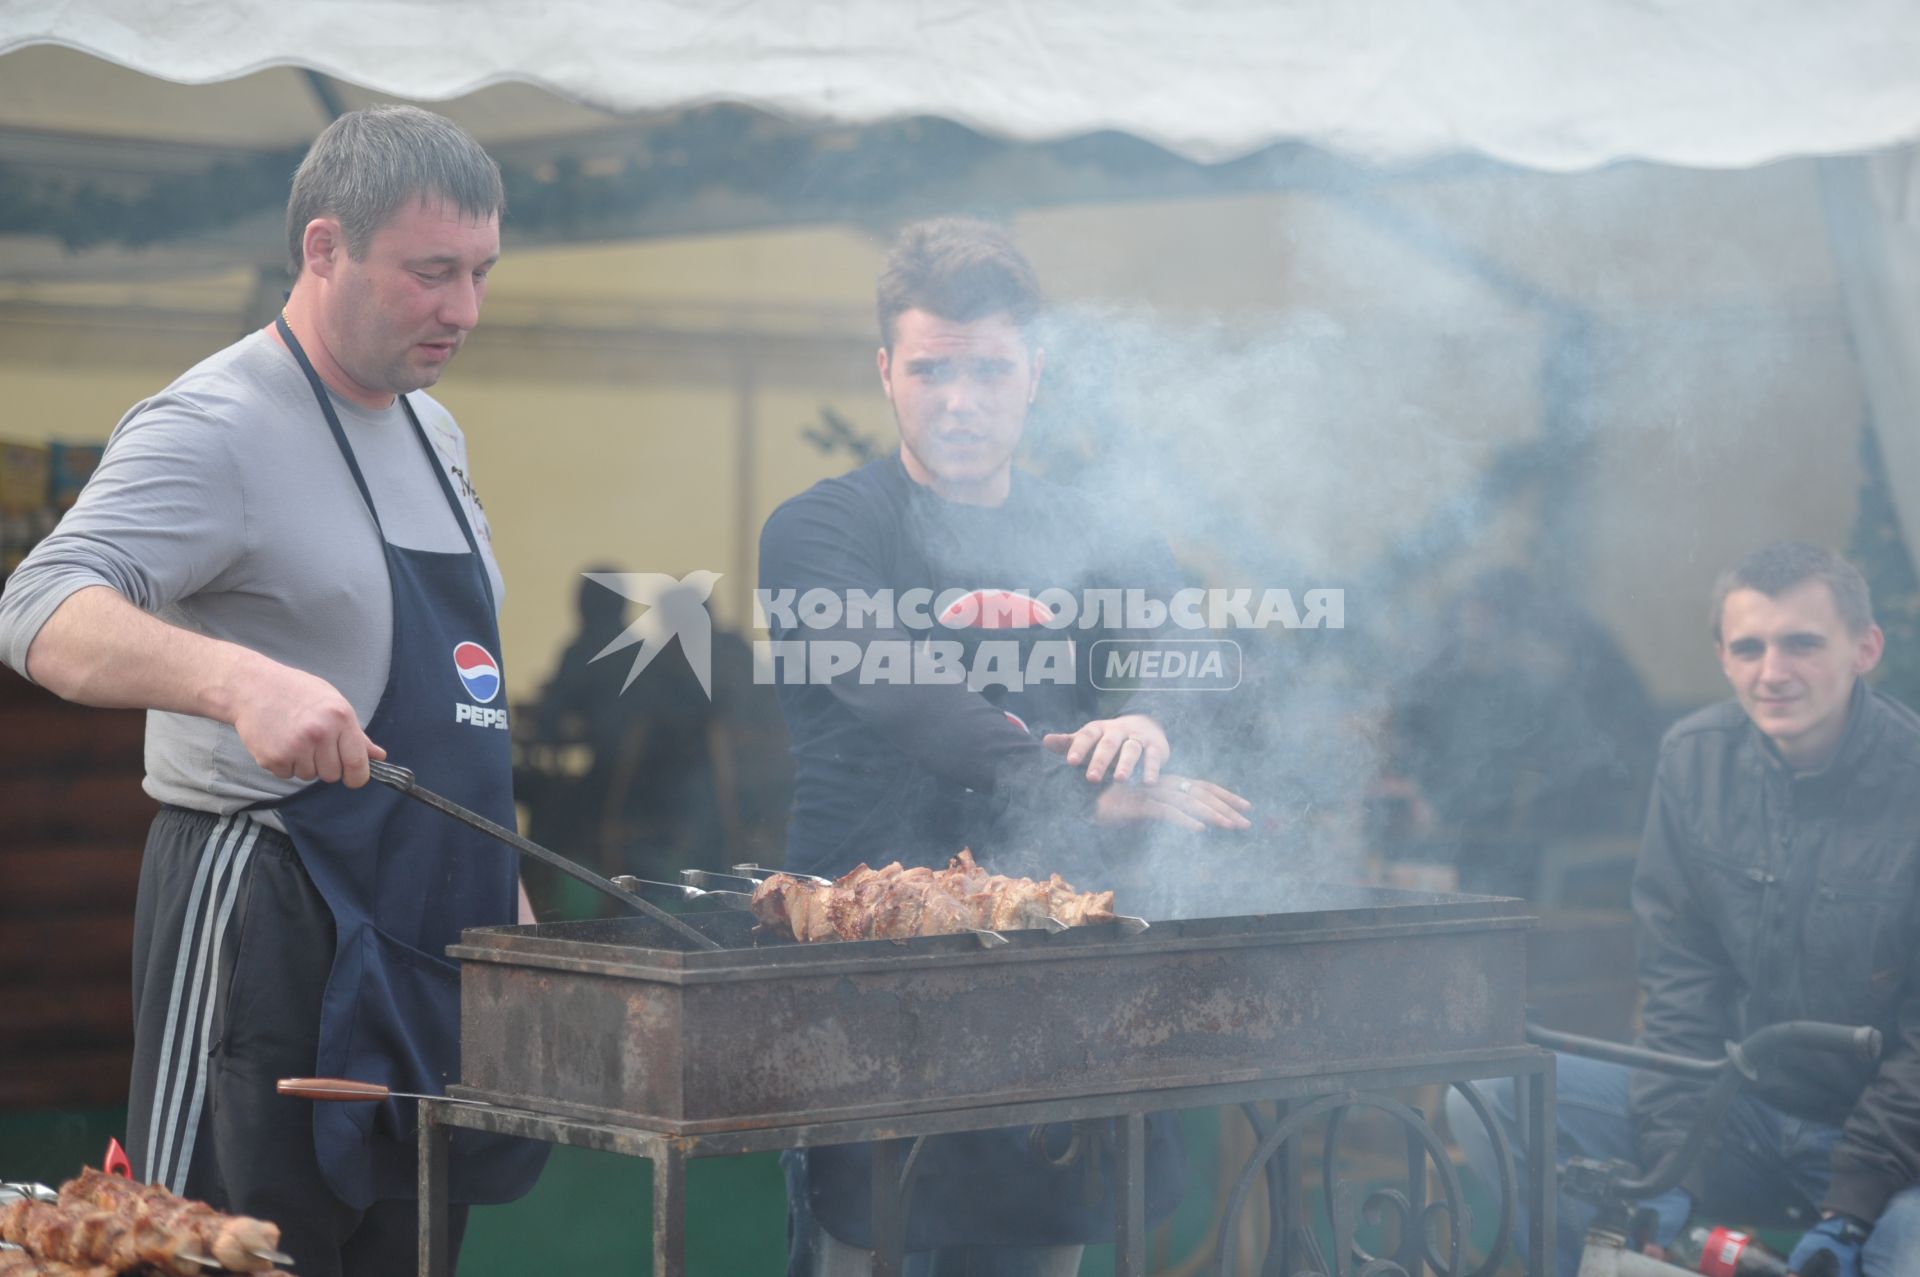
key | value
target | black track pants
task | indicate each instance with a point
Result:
(232, 947)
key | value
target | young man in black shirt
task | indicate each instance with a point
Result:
(891, 763)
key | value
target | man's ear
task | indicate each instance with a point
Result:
(1867, 655)
(1039, 366)
(322, 245)
(884, 361)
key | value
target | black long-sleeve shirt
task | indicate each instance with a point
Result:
(915, 771)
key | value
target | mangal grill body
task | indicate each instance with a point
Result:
(609, 1021)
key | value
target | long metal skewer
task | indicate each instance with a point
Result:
(705, 877)
(686, 891)
(401, 779)
(348, 1091)
(759, 874)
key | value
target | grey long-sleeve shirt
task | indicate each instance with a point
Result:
(222, 506)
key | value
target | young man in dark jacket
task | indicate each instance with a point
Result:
(1777, 882)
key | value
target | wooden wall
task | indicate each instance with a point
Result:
(73, 819)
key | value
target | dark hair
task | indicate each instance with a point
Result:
(1775, 569)
(368, 164)
(958, 269)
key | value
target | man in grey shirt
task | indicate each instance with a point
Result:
(281, 558)
(218, 508)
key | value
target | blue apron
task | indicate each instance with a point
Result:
(401, 879)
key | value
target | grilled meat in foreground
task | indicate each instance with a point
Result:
(234, 1240)
(18, 1263)
(106, 1224)
(895, 903)
(88, 1237)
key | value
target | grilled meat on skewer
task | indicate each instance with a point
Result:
(240, 1244)
(85, 1237)
(18, 1263)
(895, 903)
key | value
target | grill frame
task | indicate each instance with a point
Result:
(896, 1143)
(1408, 960)
(780, 1035)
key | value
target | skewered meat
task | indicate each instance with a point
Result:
(18, 1263)
(87, 1237)
(894, 903)
(236, 1241)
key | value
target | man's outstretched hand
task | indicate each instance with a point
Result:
(1124, 744)
(1173, 800)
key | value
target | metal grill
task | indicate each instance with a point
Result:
(585, 1019)
(610, 1034)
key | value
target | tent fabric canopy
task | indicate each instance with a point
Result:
(1560, 87)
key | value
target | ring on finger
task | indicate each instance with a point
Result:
(1186, 786)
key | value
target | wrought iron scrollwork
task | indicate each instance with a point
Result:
(1507, 1191)
(1403, 1212)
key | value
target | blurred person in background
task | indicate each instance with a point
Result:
(1526, 725)
(647, 802)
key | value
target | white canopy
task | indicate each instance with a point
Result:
(1706, 83)
(1557, 87)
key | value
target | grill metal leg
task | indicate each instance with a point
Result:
(1130, 1158)
(670, 1210)
(1283, 1196)
(433, 1191)
(1542, 1195)
(1413, 1240)
(890, 1206)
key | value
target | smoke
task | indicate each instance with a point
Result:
(1519, 420)
(1586, 409)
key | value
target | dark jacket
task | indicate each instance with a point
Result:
(1762, 896)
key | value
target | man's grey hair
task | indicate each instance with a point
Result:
(1775, 569)
(368, 165)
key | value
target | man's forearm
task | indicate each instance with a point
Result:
(98, 649)
(951, 731)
